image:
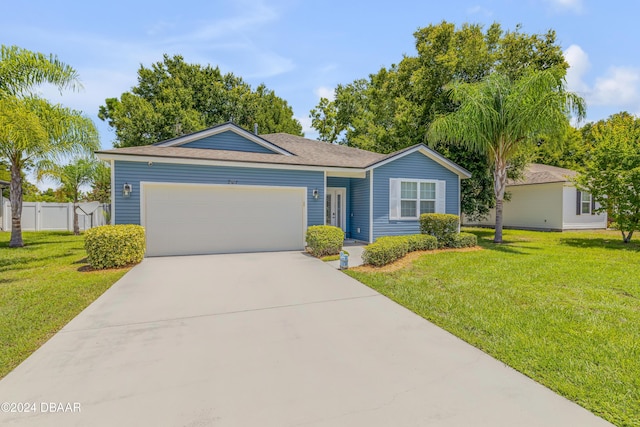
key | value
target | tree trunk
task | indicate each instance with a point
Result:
(627, 238)
(497, 238)
(499, 185)
(76, 226)
(15, 196)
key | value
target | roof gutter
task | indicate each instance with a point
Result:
(140, 158)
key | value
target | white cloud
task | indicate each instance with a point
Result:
(479, 10)
(230, 27)
(306, 127)
(159, 28)
(578, 66)
(618, 87)
(325, 92)
(566, 5)
(269, 64)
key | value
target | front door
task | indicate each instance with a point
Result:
(336, 214)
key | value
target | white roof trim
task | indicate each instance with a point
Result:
(446, 163)
(213, 162)
(223, 128)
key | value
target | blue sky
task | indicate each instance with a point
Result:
(303, 49)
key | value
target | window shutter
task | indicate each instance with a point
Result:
(394, 198)
(578, 202)
(593, 205)
(441, 196)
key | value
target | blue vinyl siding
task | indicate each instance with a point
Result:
(127, 210)
(358, 201)
(339, 182)
(416, 166)
(228, 141)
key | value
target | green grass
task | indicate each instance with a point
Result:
(562, 308)
(43, 286)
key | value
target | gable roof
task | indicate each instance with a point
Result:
(536, 173)
(432, 154)
(300, 152)
(224, 127)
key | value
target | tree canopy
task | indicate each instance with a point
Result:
(393, 108)
(612, 171)
(173, 98)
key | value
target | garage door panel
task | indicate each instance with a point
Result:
(194, 219)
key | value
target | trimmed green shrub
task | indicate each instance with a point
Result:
(421, 242)
(463, 240)
(385, 250)
(442, 226)
(324, 240)
(112, 246)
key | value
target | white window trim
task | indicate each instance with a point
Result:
(582, 202)
(440, 188)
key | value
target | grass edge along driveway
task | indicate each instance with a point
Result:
(562, 308)
(43, 286)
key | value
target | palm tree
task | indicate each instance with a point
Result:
(499, 117)
(21, 70)
(79, 172)
(32, 130)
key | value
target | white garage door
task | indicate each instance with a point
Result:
(183, 219)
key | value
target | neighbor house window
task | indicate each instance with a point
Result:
(409, 198)
(585, 203)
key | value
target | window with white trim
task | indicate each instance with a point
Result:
(585, 203)
(409, 198)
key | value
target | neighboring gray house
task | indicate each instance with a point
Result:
(546, 199)
(224, 190)
(3, 185)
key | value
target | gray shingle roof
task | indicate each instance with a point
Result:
(536, 173)
(322, 153)
(306, 152)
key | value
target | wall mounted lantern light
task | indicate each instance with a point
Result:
(315, 193)
(126, 190)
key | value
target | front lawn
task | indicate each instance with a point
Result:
(42, 287)
(563, 308)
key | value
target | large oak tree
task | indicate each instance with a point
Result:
(392, 108)
(173, 98)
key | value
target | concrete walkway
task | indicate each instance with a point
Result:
(274, 339)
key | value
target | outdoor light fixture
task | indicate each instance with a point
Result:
(315, 193)
(126, 190)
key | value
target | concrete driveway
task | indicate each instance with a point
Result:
(271, 339)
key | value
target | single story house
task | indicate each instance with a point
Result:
(226, 190)
(546, 199)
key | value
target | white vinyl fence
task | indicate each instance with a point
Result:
(41, 216)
